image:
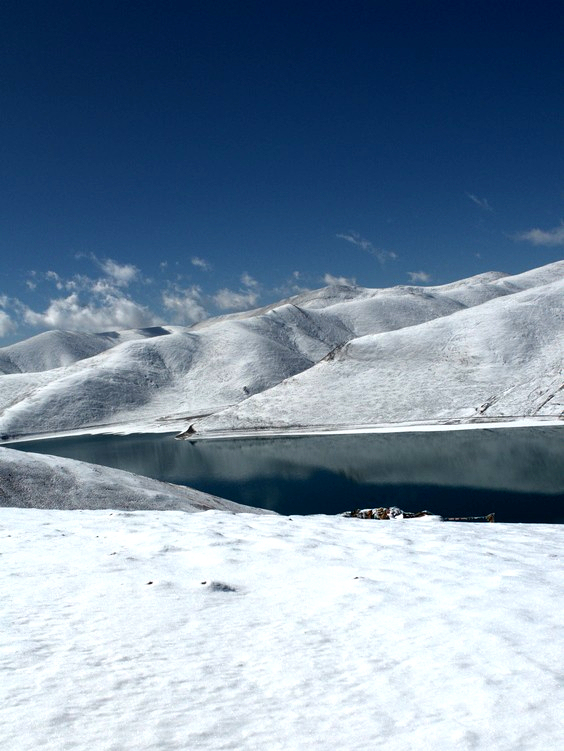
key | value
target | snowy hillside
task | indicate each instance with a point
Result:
(30, 480)
(501, 358)
(55, 349)
(182, 374)
(487, 345)
(154, 630)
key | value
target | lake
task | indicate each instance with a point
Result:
(517, 473)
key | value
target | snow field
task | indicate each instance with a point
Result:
(163, 630)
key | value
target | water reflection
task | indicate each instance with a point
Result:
(516, 472)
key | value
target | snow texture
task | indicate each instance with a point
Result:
(502, 358)
(41, 481)
(56, 349)
(146, 631)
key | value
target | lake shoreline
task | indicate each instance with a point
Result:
(177, 427)
(450, 424)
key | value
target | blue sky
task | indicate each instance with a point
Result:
(161, 162)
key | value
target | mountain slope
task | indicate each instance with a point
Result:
(30, 480)
(184, 373)
(56, 349)
(501, 358)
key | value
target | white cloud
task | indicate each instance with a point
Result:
(111, 311)
(248, 280)
(419, 276)
(339, 280)
(550, 237)
(227, 299)
(122, 274)
(355, 239)
(52, 276)
(481, 202)
(7, 325)
(201, 263)
(289, 286)
(99, 286)
(243, 299)
(91, 304)
(185, 305)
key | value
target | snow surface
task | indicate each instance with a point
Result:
(501, 358)
(55, 349)
(490, 345)
(156, 631)
(31, 480)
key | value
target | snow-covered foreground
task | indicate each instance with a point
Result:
(165, 630)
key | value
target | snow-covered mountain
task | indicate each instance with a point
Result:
(501, 358)
(30, 480)
(490, 344)
(55, 349)
(179, 375)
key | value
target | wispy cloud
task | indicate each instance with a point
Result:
(200, 263)
(228, 299)
(290, 286)
(481, 202)
(355, 239)
(339, 280)
(242, 299)
(122, 274)
(52, 276)
(248, 281)
(419, 276)
(7, 325)
(550, 237)
(185, 304)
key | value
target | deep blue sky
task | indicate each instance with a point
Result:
(161, 161)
